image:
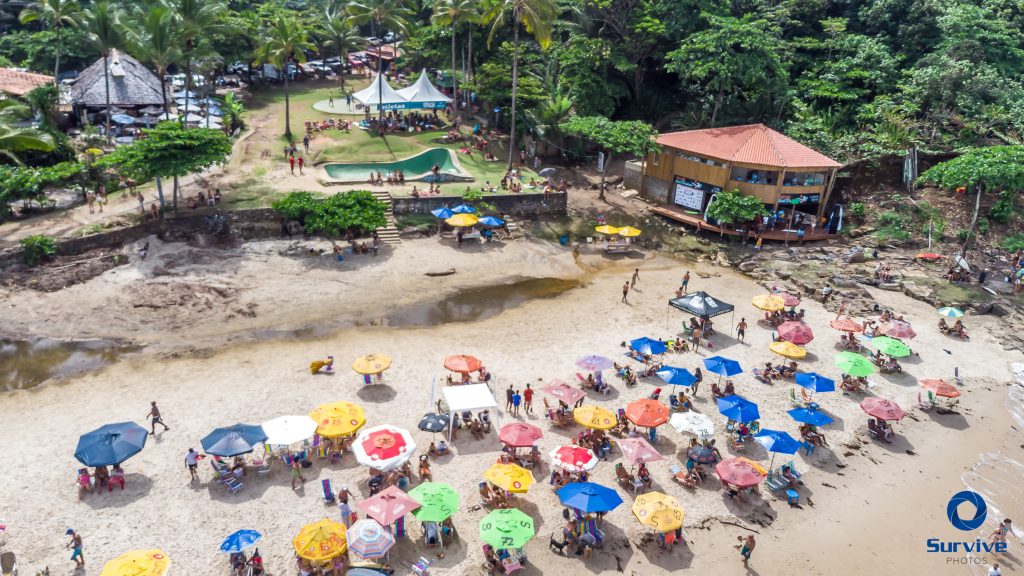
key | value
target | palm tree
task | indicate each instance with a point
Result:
(152, 38)
(102, 24)
(390, 15)
(233, 110)
(196, 17)
(341, 36)
(538, 17)
(55, 13)
(13, 140)
(450, 13)
(285, 41)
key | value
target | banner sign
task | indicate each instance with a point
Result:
(691, 194)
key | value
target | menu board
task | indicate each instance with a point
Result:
(691, 194)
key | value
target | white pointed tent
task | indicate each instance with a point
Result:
(423, 94)
(382, 95)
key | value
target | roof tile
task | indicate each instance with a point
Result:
(749, 144)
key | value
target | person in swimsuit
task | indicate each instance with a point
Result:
(297, 473)
(76, 545)
(154, 415)
(343, 507)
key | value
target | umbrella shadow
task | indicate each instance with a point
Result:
(136, 486)
(899, 444)
(899, 378)
(679, 558)
(376, 393)
(469, 444)
(632, 254)
(327, 261)
(614, 554)
(838, 423)
(949, 419)
(253, 488)
(751, 507)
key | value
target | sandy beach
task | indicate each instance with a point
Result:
(227, 337)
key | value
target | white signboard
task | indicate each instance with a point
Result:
(689, 197)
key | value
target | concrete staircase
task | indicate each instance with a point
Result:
(389, 233)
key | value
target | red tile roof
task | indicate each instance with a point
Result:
(20, 83)
(749, 144)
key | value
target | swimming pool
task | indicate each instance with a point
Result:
(418, 167)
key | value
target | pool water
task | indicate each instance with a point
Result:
(416, 167)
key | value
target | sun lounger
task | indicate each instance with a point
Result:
(328, 492)
(225, 477)
(8, 564)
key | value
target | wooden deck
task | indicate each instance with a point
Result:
(679, 215)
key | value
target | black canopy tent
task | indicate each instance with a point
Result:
(700, 304)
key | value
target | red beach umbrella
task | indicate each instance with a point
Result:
(519, 434)
(648, 413)
(846, 325)
(462, 363)
(795, 332)
(941, 388)
(636, 450)
(882, 408)
(388, 506)
(790, 300)
(559, 389)
(740, 472)
(898, 329)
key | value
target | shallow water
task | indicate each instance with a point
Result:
(28, 363)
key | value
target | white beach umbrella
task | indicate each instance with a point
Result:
(285, 430)
(692, 423)
(384, 447)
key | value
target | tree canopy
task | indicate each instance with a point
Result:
(357, 211)
(992, 167)
(734, 207)
(170, 150)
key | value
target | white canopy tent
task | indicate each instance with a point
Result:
(469, 397)
(379, 93)
(423, 94)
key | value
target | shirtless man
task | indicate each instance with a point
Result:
(76, 545)
(154, 415)
(747, 548)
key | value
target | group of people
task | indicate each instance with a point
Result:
(99, 479)
(325, 125)
(205, 199)
(957, 329)
(431, 191)
(398, 121)
(394, 177)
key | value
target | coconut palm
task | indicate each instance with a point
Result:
(451, 13)
(285, 41)
(538, 17)
(390, 15)
(102, 24)
(14, 140)
(196, 18)
(233, 110)
(55, 13)
(340, 35)
(152, 38)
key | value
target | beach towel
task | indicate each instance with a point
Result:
(400, 528)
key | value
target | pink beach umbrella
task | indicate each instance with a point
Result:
(636, 450)
(519, 434)
(795, 332)
(740, 472)
(882, 408)
(388, 506)
(559, 389)
(898, 329)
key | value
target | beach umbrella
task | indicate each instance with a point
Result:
(659, 511)
(138, 563)
(519, 434)
(509, 477)
(637, 450)
(368, 539)
(790, 300)
(214, 111)
(647, 412)
(809, 416)
(951, 312)
(629, 232)
(890, 346)
(648, 346)
(151, 110)
(815, 382)
(111, 444)
(559, 389)
(676, 376)
(123, 119)
(148, 120)
(594, 417)
(233, 440)
(285, 430)
(846, 325)
(193, 118)
(463, 209)
(777, 442)
(371, 364)
(388, 506)
(443, 213)
(738, 409)
(506, 528)
(573, 458)
(882, 408)
(462, 220)
(787, 349)
(701, 455)
(432, 422)
(383, 447)
(321, 541)
(854, 364)
(606, 229)
(547, 172)
(462, 364)
(588, 497)
(437, 500)
(795, 332)
(898, 329)
(722, 366)
(239, 541)
(941, 388)
(594, 363)
(338, 419)
(768, 302)
(185, 94)
(492, 221)
(692, 423)
(740, 472)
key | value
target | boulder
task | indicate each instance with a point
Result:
(1000, 309)
(747, 266)
(854, 256)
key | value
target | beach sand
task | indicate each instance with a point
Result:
(873, 505)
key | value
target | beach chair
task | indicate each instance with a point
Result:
(774, 481)
(624, 478)
(808, 400)
(808, 447)
(328, 492)
(420, 567)
(225, 477)
(8, 564)
(794, 400)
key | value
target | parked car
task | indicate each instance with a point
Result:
(373, 41)
(391, 37)
(238, 68)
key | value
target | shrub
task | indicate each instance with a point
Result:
(1003, 210)
(857, 210)
(357, 211)
(1014, 242)
(38, 248)
(983, 226)
(889, 218)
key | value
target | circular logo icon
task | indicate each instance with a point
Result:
(980, 510)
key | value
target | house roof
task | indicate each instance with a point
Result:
(748, 144)
(20, 83)
(131, 84)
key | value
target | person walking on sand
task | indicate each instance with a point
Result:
(291, 162)
(636, 276)
(297, 473)
(741, 329)
(76, 545)
(999, 534)
(192, 463)
(155, 418)
(305, 143)
(699, 375)
(517, 399)
(528, 399)
(343, 507)
(686, 281)
(625, 292)
(747, 548)
(508, 398)
(302, 162)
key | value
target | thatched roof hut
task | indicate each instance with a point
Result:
(131, 84)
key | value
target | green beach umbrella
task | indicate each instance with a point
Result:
(890, 346)
(506, 528)
(951, 312)
(438, 501)
(854, 364)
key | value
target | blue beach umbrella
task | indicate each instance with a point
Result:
(240, 541)
(738, 408)
(589, 497)
(808, 416)
(647, 345)
(676, 376)
(777, 442)
(122, 119)
(443, 213)
(491, 221)
(111, 444)
(701, 455)
(233, 440)
(722, 366)
(463, 209)
(815, 382)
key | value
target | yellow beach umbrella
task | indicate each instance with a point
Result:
(768, 302)
(606, 229)
(463, 220)
(138, 563)
(659, 511)
(371, 364)
(321, 540)
(629, 231)
(509, 477)
(338, 419)
(787, 349)
(594, 417)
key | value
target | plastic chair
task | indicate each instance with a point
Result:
(793, 497)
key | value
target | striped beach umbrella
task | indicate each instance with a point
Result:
(368, 539)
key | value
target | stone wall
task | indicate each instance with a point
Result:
(511, 204)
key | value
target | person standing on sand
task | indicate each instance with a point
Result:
(76, 545)
(747, 548)
(517, 399)
(636, 276)
(330, 99)
(741, 329)
(302, 162)
(291, 162)
(699, 375)
(297, 473)
(528, 399)
(508, 398)
(192, 463)
(155, 418)
(305, 143)
(625, 292)
(686, 281)
(343, 507)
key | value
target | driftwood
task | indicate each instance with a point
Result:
(447, 272)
